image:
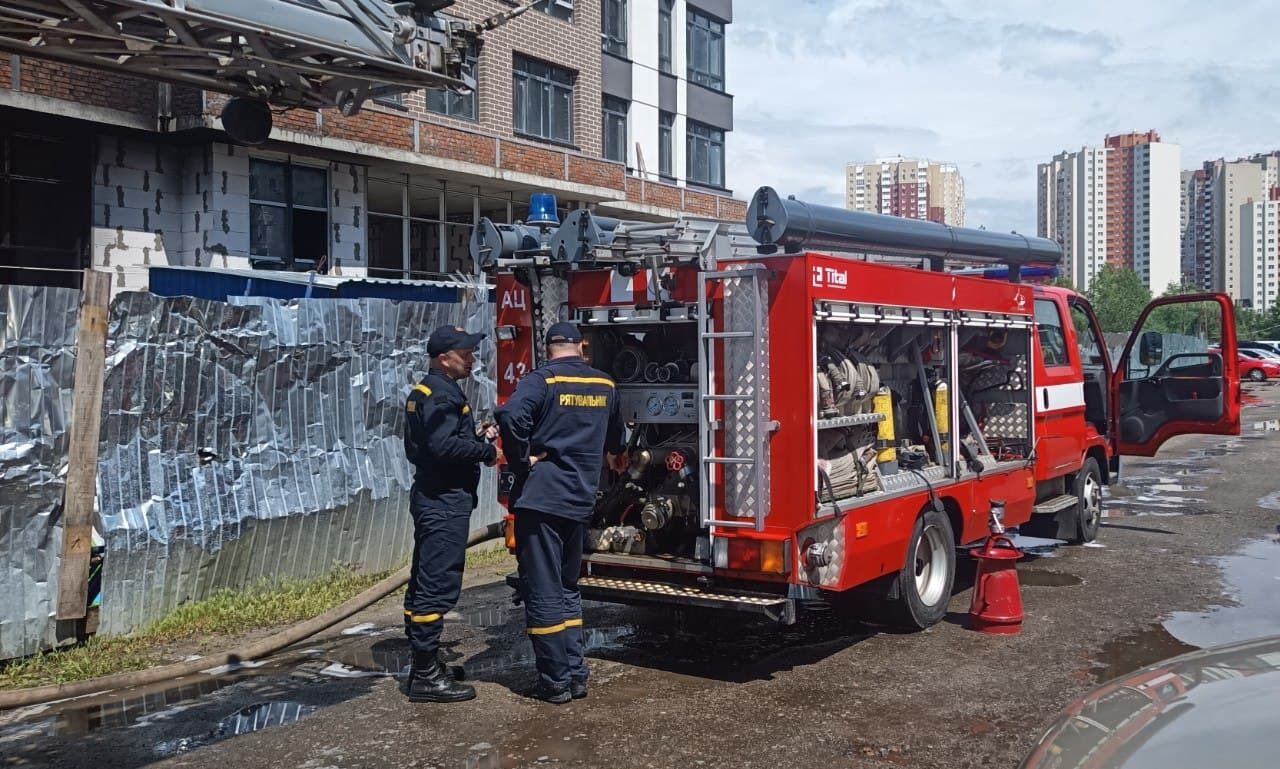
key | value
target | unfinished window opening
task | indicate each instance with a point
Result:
(288, 216)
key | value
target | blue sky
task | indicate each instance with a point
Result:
(994, 86)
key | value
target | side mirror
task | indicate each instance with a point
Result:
(1151, 348)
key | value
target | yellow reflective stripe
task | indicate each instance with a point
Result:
(573, 622)
(421, 618)
(422, 389)
(547, 630)
(580, 380)
(466, 409)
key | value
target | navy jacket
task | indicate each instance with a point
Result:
(440, 440)
(568, 411)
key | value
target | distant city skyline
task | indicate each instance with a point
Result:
(996, 89)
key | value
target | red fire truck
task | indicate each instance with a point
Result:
(819, 404)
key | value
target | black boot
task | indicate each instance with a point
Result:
(429, 681)
(551, 694)
(578, 688)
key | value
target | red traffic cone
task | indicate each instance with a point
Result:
(997, 600)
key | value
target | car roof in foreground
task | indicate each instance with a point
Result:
(1216, 707)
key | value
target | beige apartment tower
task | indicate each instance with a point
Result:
(914, 189)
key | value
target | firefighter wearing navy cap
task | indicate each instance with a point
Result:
(446, 448)
(556, 428)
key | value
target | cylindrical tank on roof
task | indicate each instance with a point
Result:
(796, 225)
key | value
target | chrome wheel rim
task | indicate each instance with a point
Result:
(931, 565)
(1092, 502)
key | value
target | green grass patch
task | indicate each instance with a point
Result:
(488, 555)
(265, 605)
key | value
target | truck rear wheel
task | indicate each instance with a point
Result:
(1088, 502)
(925, 580)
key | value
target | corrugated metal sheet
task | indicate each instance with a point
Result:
(222, 285)
(37, 366)
(260, 439)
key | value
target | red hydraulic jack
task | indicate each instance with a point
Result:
(997, 599)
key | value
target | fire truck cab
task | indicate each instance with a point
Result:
(820, 405)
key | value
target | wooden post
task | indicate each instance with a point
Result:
(82, 453)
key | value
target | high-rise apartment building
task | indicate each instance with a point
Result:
(915, 189)
(1072, 210)
(1235, 226)
(1117, 204)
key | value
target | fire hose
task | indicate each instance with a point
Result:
(265, 647)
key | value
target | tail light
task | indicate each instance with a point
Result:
(742, 554)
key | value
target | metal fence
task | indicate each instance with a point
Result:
(259, 439)
(37, 363)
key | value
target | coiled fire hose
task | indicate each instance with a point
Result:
(17, 698)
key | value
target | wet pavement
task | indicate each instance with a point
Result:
(1188, 556)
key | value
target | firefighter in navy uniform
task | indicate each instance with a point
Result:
(446, 449)
(556, 428)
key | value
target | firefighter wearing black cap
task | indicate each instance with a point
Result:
(555, 429)
(446, 449)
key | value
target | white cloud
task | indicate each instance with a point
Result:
(995, 87)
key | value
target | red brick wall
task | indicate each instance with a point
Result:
(699, 203)
(371, 127)
(98, 89)
(574, 46)
(601, 173)
(534, 160)
(662, 195)
(458, 145)
(5, 81)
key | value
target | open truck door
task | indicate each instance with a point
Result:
(1178, 374)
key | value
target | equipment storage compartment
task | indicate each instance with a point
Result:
(909, 399)
(652, 508)
(883, 408)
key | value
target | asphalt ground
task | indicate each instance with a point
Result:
(1183, 558)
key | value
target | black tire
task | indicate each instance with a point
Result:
(1088, 502)
(931, 560)
(1257, 375)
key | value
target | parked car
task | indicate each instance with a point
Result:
(1260, 354)
(1253, 366)
(1215, 707)
(1257, 370)
(1261, 345)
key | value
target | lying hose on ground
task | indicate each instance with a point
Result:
(37, 695)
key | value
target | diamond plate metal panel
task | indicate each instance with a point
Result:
(549, 310)
(744, 493)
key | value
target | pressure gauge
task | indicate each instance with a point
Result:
(670, 405)
(653, 405)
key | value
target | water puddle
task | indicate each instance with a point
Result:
(254, 718)
(1129, 653)
(1252, 576)
(1270, 501)
(1039, 578)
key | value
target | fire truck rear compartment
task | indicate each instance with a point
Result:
(652, 509)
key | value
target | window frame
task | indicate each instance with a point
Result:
(548, 88)
(666, 24)
(472, 62)
(613, 114)
(713, 29)
(289, 206)
(666, 144)
(614, 42)
(700, 133)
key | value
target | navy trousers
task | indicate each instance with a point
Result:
(435, 581)
(549, 549)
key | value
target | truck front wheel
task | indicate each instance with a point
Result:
(1088, 502)
(925, 580)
